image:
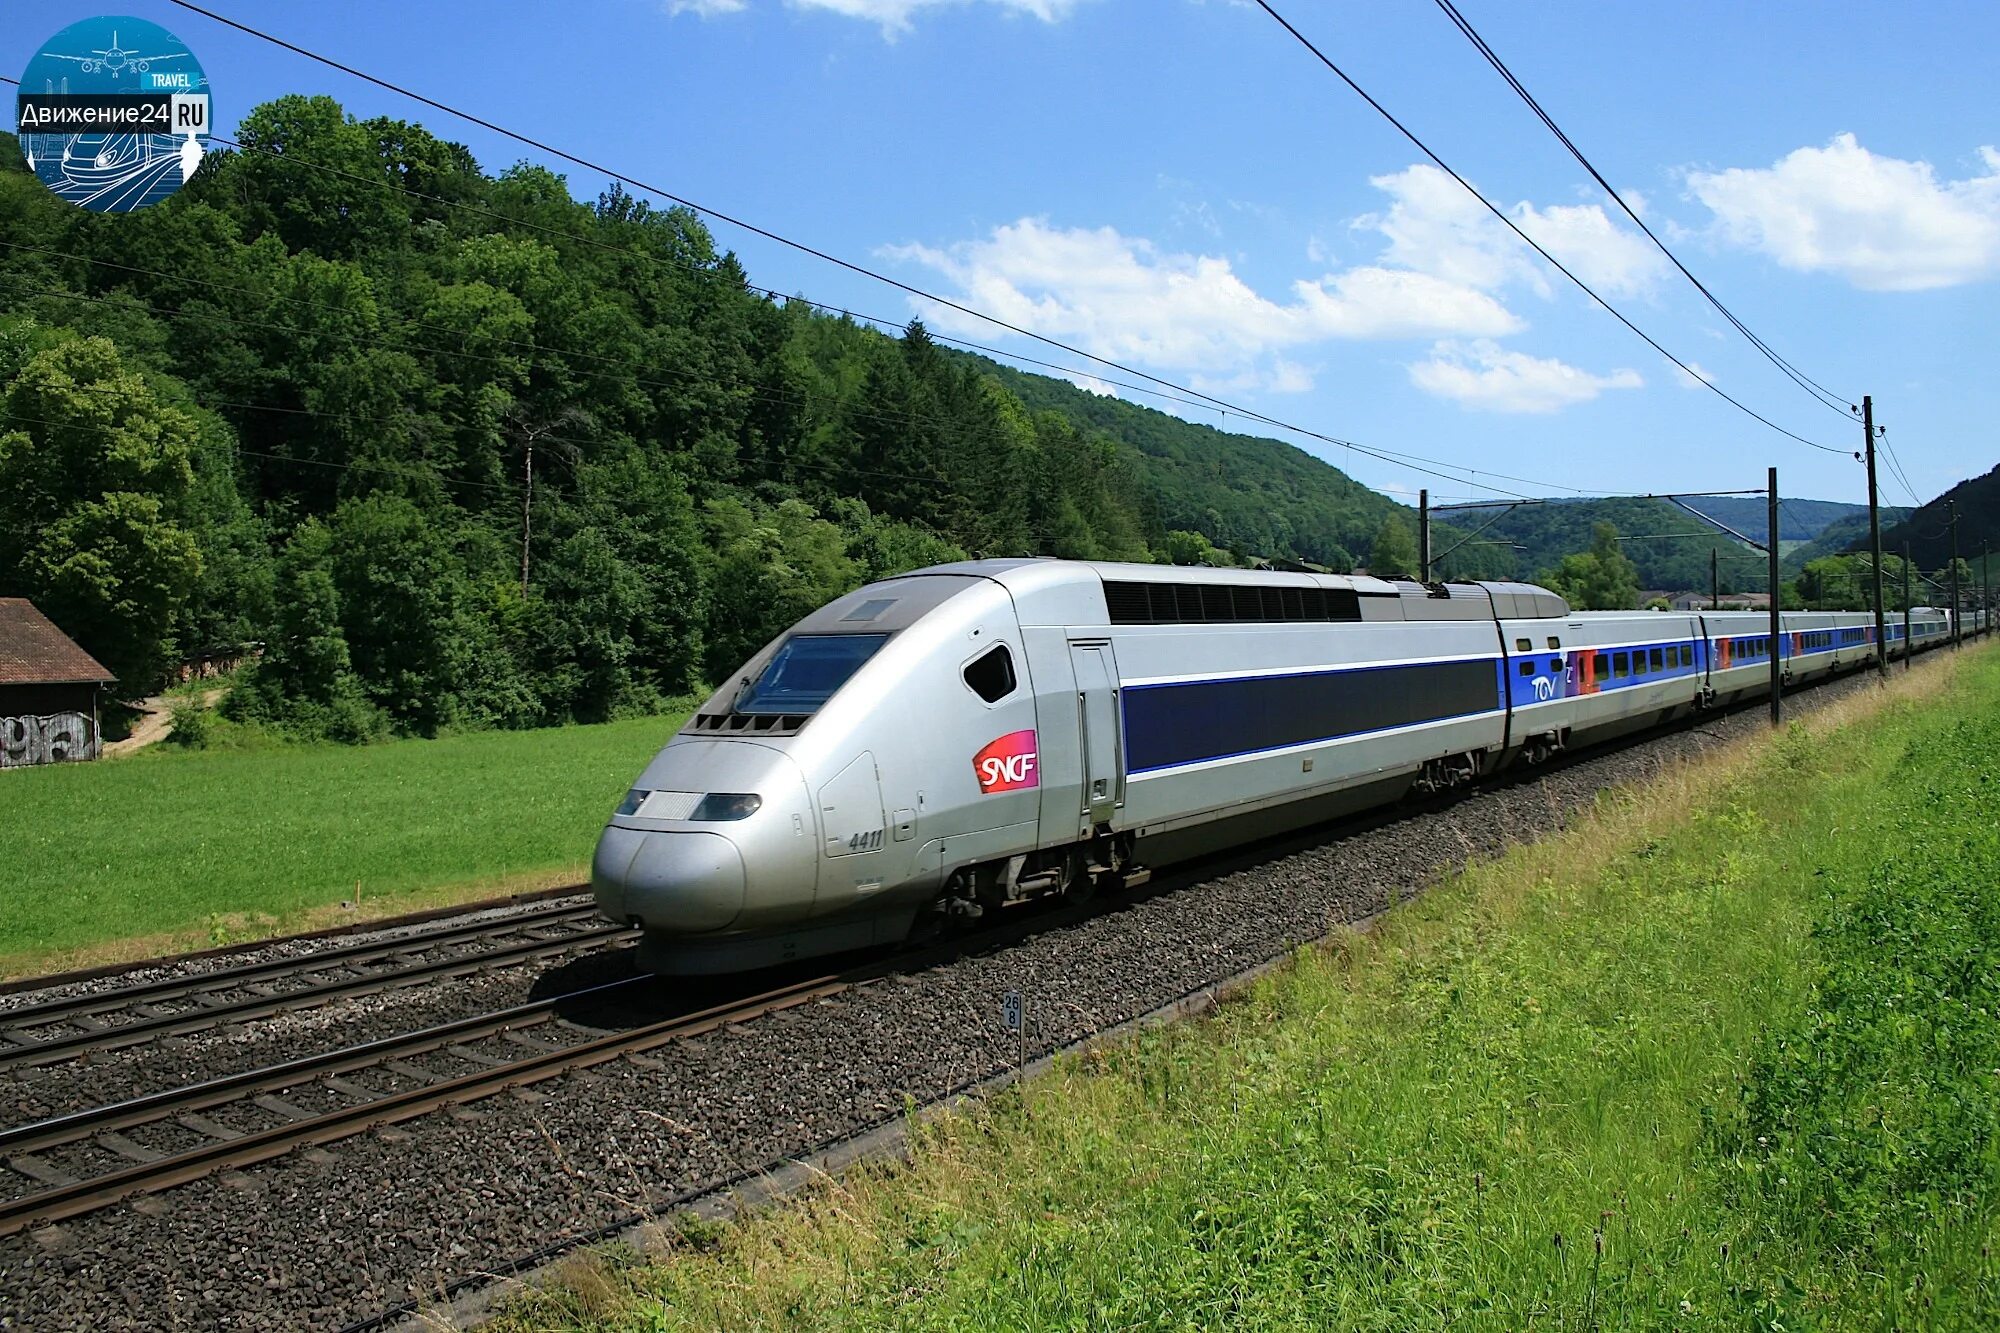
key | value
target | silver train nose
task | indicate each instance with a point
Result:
(678, 881)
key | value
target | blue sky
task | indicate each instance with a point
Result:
(1177, 185)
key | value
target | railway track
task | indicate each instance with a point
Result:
(88, 1160)
(323, 1098)
(81, 1025)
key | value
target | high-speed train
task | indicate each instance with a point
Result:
(935, 746)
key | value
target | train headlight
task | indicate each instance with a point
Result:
(633, 800)
(723, 807)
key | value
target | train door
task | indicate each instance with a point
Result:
(1097, 733)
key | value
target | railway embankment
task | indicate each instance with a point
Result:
(1725, 1052)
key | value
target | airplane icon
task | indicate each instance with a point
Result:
(116, 59)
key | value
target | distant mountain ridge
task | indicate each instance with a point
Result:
(1261, 496)
(1927, 531)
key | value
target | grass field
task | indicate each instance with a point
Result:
(179, 849)
(1724, 1055)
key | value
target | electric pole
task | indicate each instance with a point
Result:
(1424, 531)
(1777, 634)
(1714, 582)
(1957, 640)
(1875, 535)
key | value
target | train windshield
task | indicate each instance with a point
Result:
(806, 670)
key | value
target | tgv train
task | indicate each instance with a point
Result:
(935, 746)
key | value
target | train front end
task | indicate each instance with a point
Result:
(794, 814)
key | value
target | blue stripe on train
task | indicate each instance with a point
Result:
(1190, 722)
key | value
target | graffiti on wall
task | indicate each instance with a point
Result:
(53, 739)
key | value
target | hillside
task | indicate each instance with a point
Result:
(1669, 546)
(1798, 520)
(1928, 530)
(1246, 493)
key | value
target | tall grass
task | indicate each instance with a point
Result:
(174, 848)
(1550, 1093)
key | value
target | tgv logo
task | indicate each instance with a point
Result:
(1007, 763)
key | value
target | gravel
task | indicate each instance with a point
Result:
(31, 1093)
(327, 1236)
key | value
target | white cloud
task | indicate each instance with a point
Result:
(1882, 223)
(1699, 378)
(893, 15)
(1126, 298)
(1483, 375)
(1375, 302)
(1435, 226)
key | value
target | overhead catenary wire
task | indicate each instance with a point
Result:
(1902, 477)
(1826, 397)
(1514, 227)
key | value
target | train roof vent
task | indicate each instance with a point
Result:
(1130, 602)
(782, 724)
(869, 609)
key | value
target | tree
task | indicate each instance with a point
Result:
(1191, 548)
(94, 472)
(1394, 550)
(1600, 579)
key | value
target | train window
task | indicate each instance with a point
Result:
(1602, 670)
(991, 675)
(1527, 668)
(1524, 645)
(806, 670)
(1638, 661)
(1659, 659)
(1621, 665)
(1554, 643)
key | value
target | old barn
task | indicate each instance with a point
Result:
(49, 690)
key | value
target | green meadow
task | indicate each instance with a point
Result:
(1724, 1055)
(175, 848)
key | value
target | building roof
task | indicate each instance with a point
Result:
(34, 652)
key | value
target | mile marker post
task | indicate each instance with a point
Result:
(1014, 1012)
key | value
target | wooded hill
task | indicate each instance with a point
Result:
(1928, 530)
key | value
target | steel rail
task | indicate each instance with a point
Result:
(151, 1108)
(70, 1045)
(222, 978)
(64, 1201)
(23, 984)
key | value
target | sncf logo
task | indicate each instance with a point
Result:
(1007, 764)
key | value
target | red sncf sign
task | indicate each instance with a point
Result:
(1007, 763)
